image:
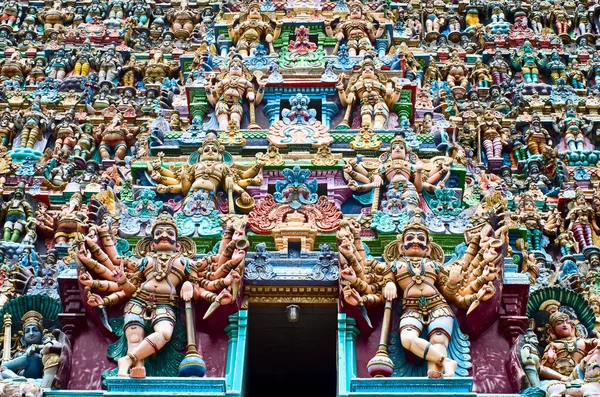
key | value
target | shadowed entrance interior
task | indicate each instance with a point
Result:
(291, 359)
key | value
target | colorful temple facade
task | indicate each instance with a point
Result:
(299, 197)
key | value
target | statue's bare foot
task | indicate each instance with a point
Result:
(432, 373)
(138, 372)
(124, 363)
(449, 367)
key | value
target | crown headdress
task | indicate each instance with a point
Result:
(32, 318)
(165, 219)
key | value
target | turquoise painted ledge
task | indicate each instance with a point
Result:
(414, 387)
(73, 393)
(153, 387)
(165, 386)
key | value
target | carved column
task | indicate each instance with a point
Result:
(272, 109)
(236, 350)
(197, 102)
(328, 110)
(347, 333)
(381, 47)
(513, 322)
(72, 319)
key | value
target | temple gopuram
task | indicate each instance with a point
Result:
(301, 198)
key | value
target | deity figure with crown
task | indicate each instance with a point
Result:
(372, 90)
(227, 95)
(582, 221)
(209, 169)
(399, 168)
(573, 129)
(570, 364)
(17, 215)
(414, 264)
(153, 285)
(37, 352)
(250, 27)
(358, 28)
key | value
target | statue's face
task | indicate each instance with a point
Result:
(19, 194)
(368, 71)
(414, 243)
(563, 328)
(570, 112)
(595, 305)
(235, 69)
(164, 237)
(254, 13)
(398, 151)
(32, 335)
(356, 13)
(531, 337)
(528, 206)
(210, 152)
(534, 169)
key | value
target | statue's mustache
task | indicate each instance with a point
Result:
(169, 239)
(421, 245)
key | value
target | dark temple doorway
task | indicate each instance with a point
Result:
(291, 359)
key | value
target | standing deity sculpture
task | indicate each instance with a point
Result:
(572, 128)
(207, 170)
(152, 286)
(373, 92)
(228, 94)
(538, 139)
(529, 61)
(357, 29)
(109, 64)
(582, 221)
(491, 133)
(414, 268)
(34, 123)
(457, 75)
(249, 28)
(17, 214)
(114, 138)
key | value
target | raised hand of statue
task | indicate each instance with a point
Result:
(119, 273)
(31, 350)
(490, 272)
(86, 279)
(95, 300)
(348, 274)
(91, 240)
(390, 291)
(232, 277)
(84, 254)
(377, 181)
(353, 185)
(346, 248)
(162, 189)
(486, 292)
(155, 165)
(187, 291)
(351, 295)
(238, 256)
(456, 274)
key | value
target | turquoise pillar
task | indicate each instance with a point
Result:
(236, 351)
(347, 333)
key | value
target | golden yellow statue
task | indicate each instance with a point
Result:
(375, 94)
(207, 170)
(227, 95)
(249, 28)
